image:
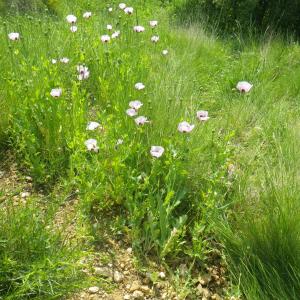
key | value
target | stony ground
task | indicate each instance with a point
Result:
(122, 276)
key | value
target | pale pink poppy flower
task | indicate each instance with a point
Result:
(185, 127)
(128, 10)
(87, 15)
(139, 28)
(136, 104)
(141, 120)
(157, 151)
(115, 34)
(155, 38)
(64, 60)
(202, 115)
(131, 112)
(91, 145)
(122, 6)
(73, 28)
(109, 27)
(55, 93)
(110, 9)
(105, 38)
(14, 36)
(54, 61)
(71, 19)
(153, 23)
(92, 125)
(139, 86)
(165, 52)
(83, 71)
(244, 86)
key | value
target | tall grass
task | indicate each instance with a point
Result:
(34, 262)
(237, 167)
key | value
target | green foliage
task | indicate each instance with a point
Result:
(246, 16)
(33, 261)
(28, 6)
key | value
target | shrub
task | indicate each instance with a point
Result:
(25, 6)
(256, 14)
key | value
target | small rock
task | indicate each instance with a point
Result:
(127, 287)
(164, 296)
(205, 292)
(204, 279)
(118, 277)
(127, 297)
(216, 297)
(129, 250)
(162, 275)
(103, 271)
(134, 286)
(94, 290)
(25, 194)
(145, 289)
(138, 295)
(28, 178)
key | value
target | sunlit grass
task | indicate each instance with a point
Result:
(237, 166)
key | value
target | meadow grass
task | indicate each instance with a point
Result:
(228, 186)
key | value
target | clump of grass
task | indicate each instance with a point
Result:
(34, 262)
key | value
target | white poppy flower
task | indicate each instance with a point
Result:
(115, 34)
(244, 86)
(157, 151)
(83, 71)
(155, 39)
(122, 5)
(14, 36)
(136, 104)
(131, 112)
(109, 27)
(141, 120)
(105, 38)
(202, 115)
(139, 28)
(87, 15)
(54, 61)
(55, 93)
(92, 125)
(119, 142)
(73, 28)
(139, 86)
(185, 127)
(91, 145)
(71, 19)
(128, 10)
(110, 9)
(153, 23)
(64, 60)
(165, 52)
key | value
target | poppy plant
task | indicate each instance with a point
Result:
(56, 93)
(202, 115)
(157, 151)
(185, 127)
(91, 145)
(14, 36)
(71, 19)
(244, 86)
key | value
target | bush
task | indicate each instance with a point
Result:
(25, 6)
(232, 14)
